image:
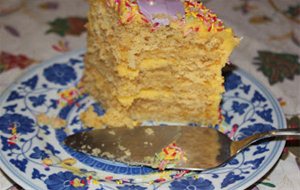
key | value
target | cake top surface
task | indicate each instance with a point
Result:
(190, 15)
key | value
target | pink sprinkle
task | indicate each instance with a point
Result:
(109, 178)
(130, 17)
(233, 130)
(11, 142)
(162, 165)
(156, 24)
(14, 137)
(235, 127)
(127, 5)
(181, 174)
(160, 180)
(145, 20)
(210, 27)
(154, 27)
(45, 166)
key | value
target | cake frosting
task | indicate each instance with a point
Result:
(159, 64)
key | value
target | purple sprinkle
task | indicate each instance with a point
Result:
(12, 30)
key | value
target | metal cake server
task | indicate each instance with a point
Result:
(203, 148)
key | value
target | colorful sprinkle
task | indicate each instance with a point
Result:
(181, 174)
(77, 182)
(171, 155)
(160, 180)
(281, 102)
(109, 178)
(47, 162)
(69, 161)
(233, 130)
(61, 46)
(195, 10)
(69, 96)
(13, 139)
(95, 182)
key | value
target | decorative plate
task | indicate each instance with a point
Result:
(32, 152)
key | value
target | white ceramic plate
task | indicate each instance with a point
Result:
(37, 159)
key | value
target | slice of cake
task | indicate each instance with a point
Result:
(158, 60)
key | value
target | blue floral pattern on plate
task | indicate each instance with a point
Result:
(191, 183)
(247, 108)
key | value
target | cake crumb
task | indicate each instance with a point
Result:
(149, 159)
(108, 155)
(122, 148)
(47, 162)
(146, 143)
(96, 151)
(126, 155)
(54, 122)
(127, 152)
(112, 132)
(86, 147)
(149, 131)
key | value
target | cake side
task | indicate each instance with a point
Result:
(165, 74)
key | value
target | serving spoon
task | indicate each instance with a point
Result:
(167, 147)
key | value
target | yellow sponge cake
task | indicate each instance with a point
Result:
(158, 60)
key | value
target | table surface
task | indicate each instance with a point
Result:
(33, 31)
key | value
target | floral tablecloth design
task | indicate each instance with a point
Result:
(33, 31)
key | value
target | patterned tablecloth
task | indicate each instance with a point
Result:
(32, 31)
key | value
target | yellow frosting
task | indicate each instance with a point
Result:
(124, 71)
(143, 94)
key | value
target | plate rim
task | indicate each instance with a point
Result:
(24, 183)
